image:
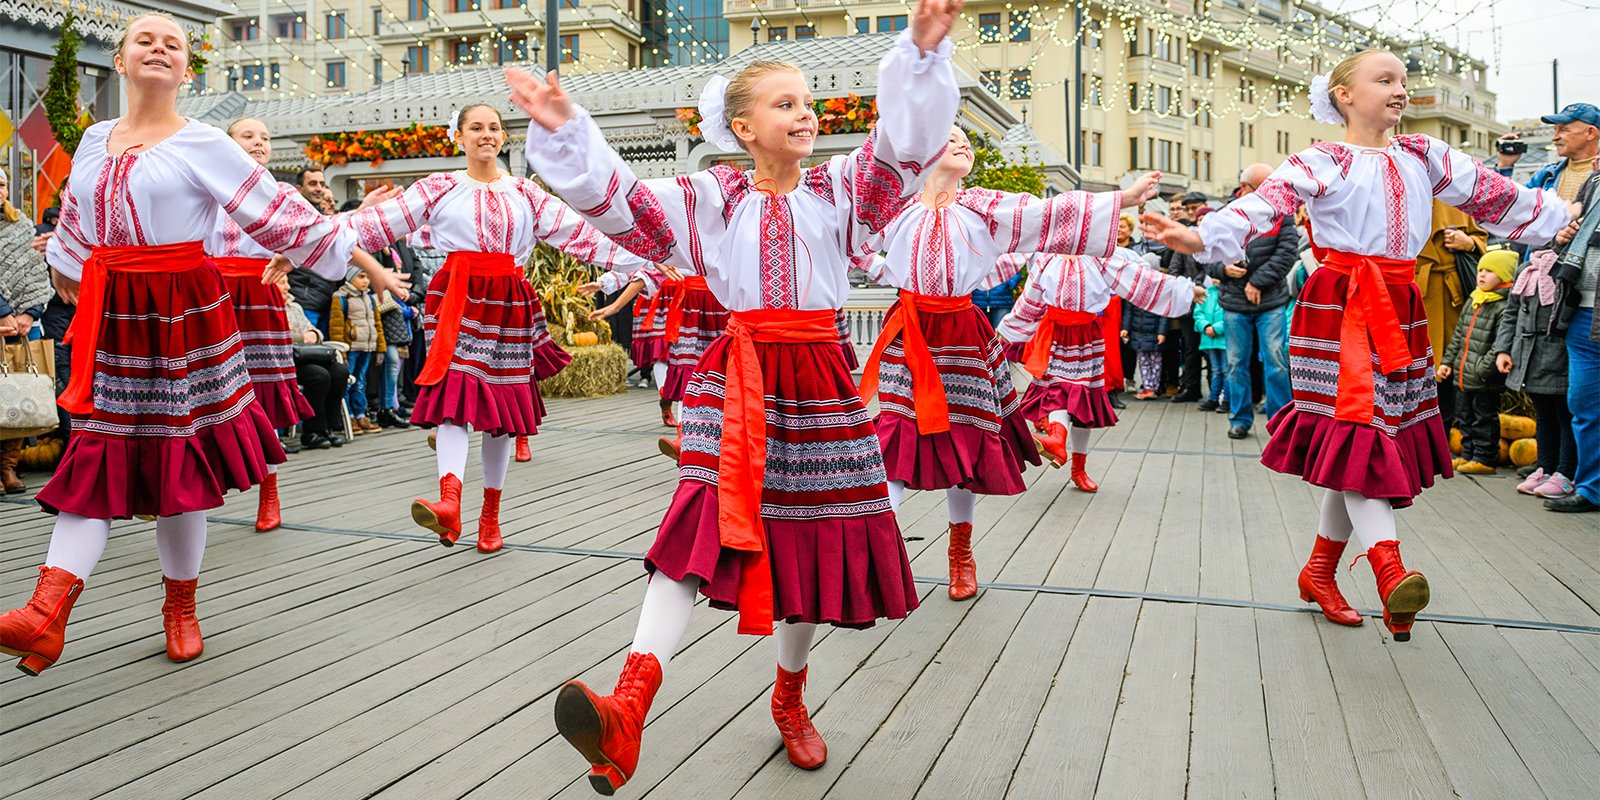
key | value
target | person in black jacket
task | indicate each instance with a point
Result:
(1253, 296)
(1181, 334)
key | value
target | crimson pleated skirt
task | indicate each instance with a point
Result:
(988, 445)
(1399, 453)
(175, 424)
(490, 383)
(649, 343)
(702, 319)
(847, 348)
(835, 550)
(263, 322)
(1075, 380)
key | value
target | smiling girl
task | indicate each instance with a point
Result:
(1365, 422)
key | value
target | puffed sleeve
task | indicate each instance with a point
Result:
(1071, 223)
(1020, 324)
(1533, 216)
(559, 226)
(1225, 233)
(1150, 289)
(399, 217)
(68, 249)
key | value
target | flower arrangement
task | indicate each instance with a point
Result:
(412, 141)
(849, 114)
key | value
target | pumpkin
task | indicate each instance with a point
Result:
(585, 339)
(1505, 451)
(1524, 452)
(1516, 427)
(1455, 441)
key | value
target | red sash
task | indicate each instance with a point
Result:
(462, 266)
(932, 408)
(237, 267)
(1036, 356)
(1369, 316)
(675, 310)
(741, 467)
(84, 332)
(654, 307)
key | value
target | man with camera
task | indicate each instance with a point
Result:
(1577, 141)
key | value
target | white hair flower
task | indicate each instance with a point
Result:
(1322, 107)
(713, 115)
(450, 124)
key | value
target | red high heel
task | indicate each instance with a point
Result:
(1319, 584)
(1404, 592)
(800, 738)
(1053, 445)
(524, 454)
(267, 512)
(1080, 475)
(489, 522)
(177, 617)
(37, 631)
(963, 570)
(607, 730)
(443, 517)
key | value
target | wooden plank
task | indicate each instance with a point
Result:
(1229, 755)
(1311, 755)
(1147, 754)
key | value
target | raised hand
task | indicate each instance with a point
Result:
(1172, 233)
(1200, 297)
(1143, 190)
(589, 288)
(933, 21)
(276, 269)
(544, 103)
(379, 195)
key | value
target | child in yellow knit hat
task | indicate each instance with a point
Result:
(1469, 361)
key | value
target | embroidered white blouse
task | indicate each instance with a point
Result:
(509, 215)
(228, 240)
(956, 249)
(1380, 202)
(755, 249)
(1086, 283)
(171, 193)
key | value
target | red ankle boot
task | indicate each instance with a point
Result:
(37, 631)
(489, 522)
(1404, 593)
(267, 513)
(177, 616)
(671, 448)
(963, 570)
(607, 730)
(1053, 445)
(1318, 583)
(800, 738)
(667, 418)
(443, 517)
(524, 455)
(1080, 475)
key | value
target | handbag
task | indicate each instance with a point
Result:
(396, 328)
(315, 354)
(1467, 270)
(27, 395)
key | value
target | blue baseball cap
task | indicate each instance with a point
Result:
(1576, 112)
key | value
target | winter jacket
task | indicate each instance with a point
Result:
(1143, 327)
(354, 320)
(1567, 293)
(1002, 296)
(1210, 313)
(24, 279)
(313, 292)
(1470, 355)
(1538, 358)
(1268, 259)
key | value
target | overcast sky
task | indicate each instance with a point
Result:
(1529, 33)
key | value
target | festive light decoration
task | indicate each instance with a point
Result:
(412, 141)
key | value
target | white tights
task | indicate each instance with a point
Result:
(77, 543)
(1370, 520)
(658, 371)
(665, 616)
(961, 504)
(1077, 437)
(452, 447)
(272, 469)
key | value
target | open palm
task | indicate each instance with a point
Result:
(544, 102)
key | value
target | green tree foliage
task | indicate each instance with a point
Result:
(991, 170)
(61, 90)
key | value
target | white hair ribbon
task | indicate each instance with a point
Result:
(714, 117)
(1322, 107)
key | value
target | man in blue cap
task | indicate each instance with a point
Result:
(1577, 142)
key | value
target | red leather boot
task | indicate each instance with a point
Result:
(1319, 585)
(489, 522)
(607, 730)
(443, 517)
(1053, 445)
(1080, 475)
(177, 617)
(963, 570)
(671, 448)
(267, 512)
(37, 631)
(1404, 592)
(800, 738)
(524, 455)
(667, 418)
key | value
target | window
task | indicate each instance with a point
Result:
(569, 3)
(569, 48)
(416, 9)
(804, 32)
(377, 70)
(246, 30)
(377, 20)
(1283, 142)
(254, 76)
(1096, 144)
(1205, 165)
(511, 49)
(1284, 100)
(418, 59)
(1021, 84)
(991, 81)
(863, 25)
(1164, 99)
(1093, 33)
(1247, 134)
(274, 76)
(464, 51)
(288, 26)
(1161, 45)
(335, 74)
(1133, 152)
(1201, 113)
(1166, 155)
(989, 27)
(1133, 41)
(1194, 162)
(336, 27)
(462, 6)
(1091, 88)
(1271, 9)
(780, 34)
(1133, 96)
(1199, 63)
(1021, 26)
(1247, 90)
(892, 24)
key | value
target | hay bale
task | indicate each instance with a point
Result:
(597, 371)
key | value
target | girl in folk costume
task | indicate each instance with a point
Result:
(649, 346)
(947, 409)
(488, 340)
(164, 416)
(1365, 422)
(1056, 327)
(782, 510)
